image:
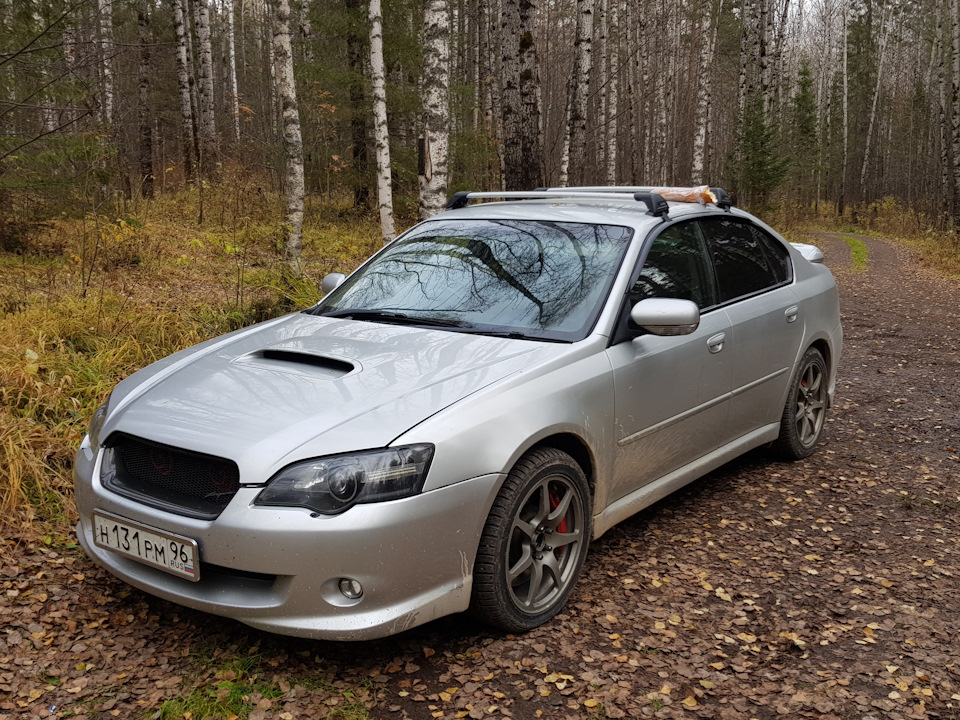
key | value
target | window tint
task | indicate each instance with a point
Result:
(677, 266)
(740, 258)
(777, 255)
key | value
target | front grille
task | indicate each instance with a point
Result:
(180, 481)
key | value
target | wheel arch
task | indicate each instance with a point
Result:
(576, 448)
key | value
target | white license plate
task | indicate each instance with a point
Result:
(175, 554)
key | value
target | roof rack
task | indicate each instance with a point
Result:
(656, 205)
(652, 197)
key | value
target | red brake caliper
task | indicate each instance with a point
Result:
(562, 527)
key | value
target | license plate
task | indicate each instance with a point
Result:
(172, 553)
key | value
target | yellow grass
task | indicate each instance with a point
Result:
(97, 296)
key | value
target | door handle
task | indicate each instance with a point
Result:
(715, 343)
(791, 313)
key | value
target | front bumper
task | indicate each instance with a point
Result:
(278, 569)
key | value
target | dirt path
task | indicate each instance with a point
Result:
(826, 588)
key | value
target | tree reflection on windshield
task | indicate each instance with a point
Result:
(542, 279)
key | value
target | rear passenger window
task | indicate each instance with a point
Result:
(743, 257)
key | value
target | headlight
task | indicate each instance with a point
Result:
(96, 424)
(330, 485)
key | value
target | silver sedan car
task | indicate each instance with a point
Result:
(456, 420)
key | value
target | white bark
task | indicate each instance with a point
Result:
(380, 130)
(208, 126)
(881, 55)
(232, 71)
(436, 107)
(292, 140)
(613, 98)
(577, 134)
(701, 119)
(183, 85)
(106, 59)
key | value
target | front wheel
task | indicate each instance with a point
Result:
(806, 408)
(534, 542)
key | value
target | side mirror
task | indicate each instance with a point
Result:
(331, 281)
(666, 316)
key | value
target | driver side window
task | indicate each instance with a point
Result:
(677, 266)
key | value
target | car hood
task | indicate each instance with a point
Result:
(306, 386)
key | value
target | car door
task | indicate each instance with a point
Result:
(670, 392)
(754, 280)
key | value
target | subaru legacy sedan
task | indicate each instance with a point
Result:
(450, 427)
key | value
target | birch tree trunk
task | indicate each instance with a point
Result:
(292, 141)
(208, 125)
(564, 177)
(105, 8)
(705, 35)
(381, 133)
(613, 90)
(436, 108)
(955, 102)
(841, 199)
(232, 71)
(183, 85)
(144, 120)
(582, 67)
(602, 80)
(881, 56)
(945, 175)
(522, 140)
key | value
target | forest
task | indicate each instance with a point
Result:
(827, 106)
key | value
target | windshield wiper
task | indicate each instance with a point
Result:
(392, 317)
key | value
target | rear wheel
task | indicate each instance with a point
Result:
(805, 411)
(534, 542)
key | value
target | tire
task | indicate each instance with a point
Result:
(805, 410)
(534, 542)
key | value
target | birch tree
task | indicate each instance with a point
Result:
(208, 124)
(522, 139)
(105, 8)
(613, 110)
(701, 118)
(144, 119)
(580, 83)
(183, 86)
(381, 132)
(292, 140)
(232, 71)
(436, 110)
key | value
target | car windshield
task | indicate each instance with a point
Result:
(517, 278)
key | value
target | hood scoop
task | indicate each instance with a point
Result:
(292, 359)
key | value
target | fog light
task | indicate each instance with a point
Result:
(351, 589)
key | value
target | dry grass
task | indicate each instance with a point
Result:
(93, 298)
